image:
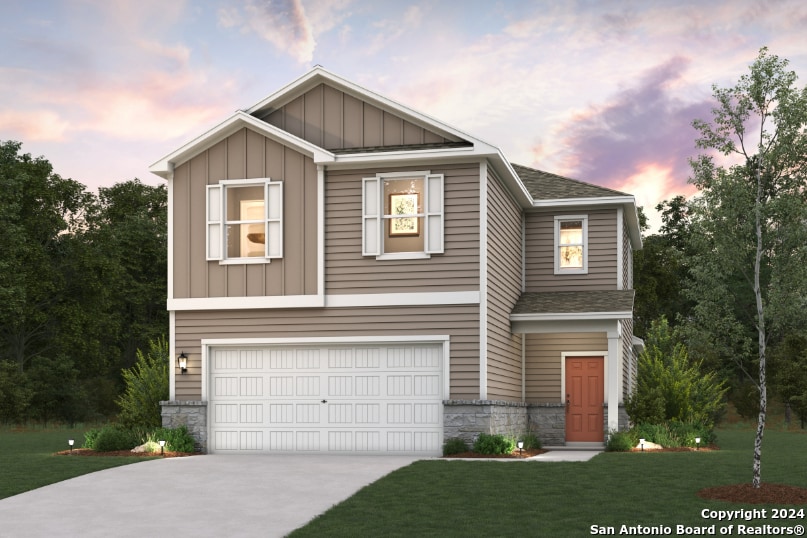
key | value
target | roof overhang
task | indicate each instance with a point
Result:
(239, 120)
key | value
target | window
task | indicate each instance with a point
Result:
(571, 244)
(245, 221)
(402, 215)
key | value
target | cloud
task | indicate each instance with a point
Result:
(33, 125)
(288, 25)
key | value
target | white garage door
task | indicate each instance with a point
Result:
(371, 399)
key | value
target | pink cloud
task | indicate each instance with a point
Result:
(33, 125)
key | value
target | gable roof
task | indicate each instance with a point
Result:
(546, 186)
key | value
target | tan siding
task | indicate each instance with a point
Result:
(627, 255)
(602, 258)
(503, 290)
(543, 361)
(461, 323)
(628, 358)
(347, 271)
(333, 119)
(245, 154)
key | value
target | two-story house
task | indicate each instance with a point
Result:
(349, 275)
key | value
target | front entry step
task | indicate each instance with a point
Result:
(578, 446)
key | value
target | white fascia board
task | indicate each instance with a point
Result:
(231, 125)
(508, 174)
(307, 340)
(571, 316)
(593, 201)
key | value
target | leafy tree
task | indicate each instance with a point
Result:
(146, 385)
(789, 367)
(670, 386)
(750, 218)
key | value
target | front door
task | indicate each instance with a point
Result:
(584, 399)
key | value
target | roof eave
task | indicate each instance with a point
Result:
(572, 316)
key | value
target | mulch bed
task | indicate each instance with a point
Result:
(514, 455)
(127, 453)
(765, 494)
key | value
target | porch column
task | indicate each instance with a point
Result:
(614, 382)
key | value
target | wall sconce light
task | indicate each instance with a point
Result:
(162, 447)
(697, 442)
(182, 361)
(70, 442)
(641, 444)
(520, 445)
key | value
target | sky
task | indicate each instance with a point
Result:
(604, 92)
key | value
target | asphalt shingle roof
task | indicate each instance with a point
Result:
(574, 302)
(545, 186)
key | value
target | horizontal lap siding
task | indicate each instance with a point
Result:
(602, 255)
(543, 361)
(347, 271)
(333, 119)
(245, 155)
(629, 363)
(461, 323)
(503, 291)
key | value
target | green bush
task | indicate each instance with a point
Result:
(455, 445)
(115, 437)
(176, 439)
(671, 386)
(90, 438)
(674, 434)
(620, 442)
(146, 385)
(531, 441)
(494, 444)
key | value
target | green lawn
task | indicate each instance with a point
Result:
(459, 498)
(27, 459)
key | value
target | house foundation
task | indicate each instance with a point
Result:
(192, 414)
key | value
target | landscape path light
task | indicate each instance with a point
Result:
(641, 444)
(162, 447)
(520, 447)
(697, 443)
(70, 442)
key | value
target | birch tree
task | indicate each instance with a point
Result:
(750, 215)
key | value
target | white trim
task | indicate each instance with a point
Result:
(172, 355)
(620, 246)
(556, 244)
(321, 231)
(523, 367)
(483, 281)
(627, 314)
(404, 256)
(171, 233)
(614, 392)
(565, 326)
(570, 202)
(321, 301)
(566, 354)
(523, 252)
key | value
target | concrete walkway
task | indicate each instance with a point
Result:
(552, 455)
(197, 496)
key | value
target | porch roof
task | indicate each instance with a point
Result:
(591, 304)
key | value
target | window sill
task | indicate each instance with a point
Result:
(404, 256)
(244, 261)
(571, 271)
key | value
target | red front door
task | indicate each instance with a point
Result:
(584, 399)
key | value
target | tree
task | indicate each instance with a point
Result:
(146, 385)
(751, 215)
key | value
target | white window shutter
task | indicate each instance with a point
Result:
(274, 219)
(434, 214)
(215, 228)
(371, 217)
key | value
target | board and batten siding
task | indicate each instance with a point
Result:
(348, 272)
(602, 255)
(461, 323)
(244, 155)
(333, 119)
(503, 291)
(543, 361)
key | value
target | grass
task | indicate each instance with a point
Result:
(461, 498)
(27, 459)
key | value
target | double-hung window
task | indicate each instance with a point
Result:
(245, 220)
(402, 215)
(571, 244)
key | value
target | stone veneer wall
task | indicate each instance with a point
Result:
(548, 423)
(192, 414)
(466, 419)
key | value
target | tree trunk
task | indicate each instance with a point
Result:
(763, 390)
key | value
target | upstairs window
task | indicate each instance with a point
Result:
(571, 244)
(402, 215)
(245, 221)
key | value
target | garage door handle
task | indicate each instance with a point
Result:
(324, 401)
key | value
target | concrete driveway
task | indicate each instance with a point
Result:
(195, 496)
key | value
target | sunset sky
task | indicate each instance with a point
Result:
(600, 91)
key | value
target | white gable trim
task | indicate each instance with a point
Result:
(231, 125)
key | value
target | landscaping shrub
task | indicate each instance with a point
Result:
(620, 442)
(494, 444)
(146, 385)
(531, 441)
(176, 439)
(674, 434)
(90, 438)
(115, 437)
(455, 445)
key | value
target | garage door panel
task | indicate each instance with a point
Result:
(354, 398)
